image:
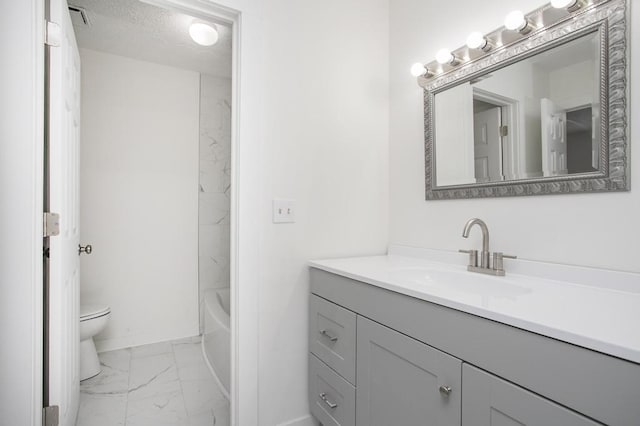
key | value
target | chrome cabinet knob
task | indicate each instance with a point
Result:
(86, 249)
(445, 390)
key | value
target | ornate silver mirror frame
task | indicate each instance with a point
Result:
(608, 17)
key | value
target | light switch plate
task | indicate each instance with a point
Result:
(284, 211)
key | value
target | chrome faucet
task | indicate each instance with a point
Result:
(485, 255)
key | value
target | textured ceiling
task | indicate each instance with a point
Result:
(149, 33)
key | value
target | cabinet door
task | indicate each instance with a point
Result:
(491, 401)
(403, 382)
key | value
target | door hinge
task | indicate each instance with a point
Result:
(51, 225)
(51, 416)
(52, 34)
(504, 131)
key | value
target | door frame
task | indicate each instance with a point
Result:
(511, 163)
(245, 18)
(21, 207)
(21, 201)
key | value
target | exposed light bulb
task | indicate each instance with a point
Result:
(476, 40)
(203, 34)
(570, 5)
(418, 70)
(515, 21)
(561, 4)
(444, 56)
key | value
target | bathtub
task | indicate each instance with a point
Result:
(216, 339)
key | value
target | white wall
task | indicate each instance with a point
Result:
(214, 187)
(324, 144)
(139, 192)
(591, 229)
(21, 154)
(567, 85)
(314, 108)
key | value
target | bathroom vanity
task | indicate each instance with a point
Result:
(412, 338)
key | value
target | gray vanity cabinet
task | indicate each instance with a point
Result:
(491, 401)
(402, 381)
(380, 358)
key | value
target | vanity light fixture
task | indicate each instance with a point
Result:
(516, 21)
(444, 56)
(570, 5)
(419, 70)
(477, 40)
(203, 34)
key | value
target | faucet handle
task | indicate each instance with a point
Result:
(473, 256)
(498, 257)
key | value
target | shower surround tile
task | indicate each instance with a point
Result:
(165, 383)
(214, 208)
(214, 187)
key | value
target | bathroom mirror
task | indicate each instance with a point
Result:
(544, 113)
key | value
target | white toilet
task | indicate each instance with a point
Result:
(93, 319)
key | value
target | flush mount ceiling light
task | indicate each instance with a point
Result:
(515, 21)
(203, 34)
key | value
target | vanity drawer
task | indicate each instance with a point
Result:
(332, 399)
(332, 336)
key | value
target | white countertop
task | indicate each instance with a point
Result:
(588, 307)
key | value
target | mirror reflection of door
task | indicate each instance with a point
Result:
(554, 139)
(487, 142)
(569, 143)
(537, 117)
(582, 141)
(493, 141)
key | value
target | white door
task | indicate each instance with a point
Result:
(64, 138)
(487, 142)
(454, 136)
(554, 139)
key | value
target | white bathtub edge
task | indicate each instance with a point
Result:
(213, 373)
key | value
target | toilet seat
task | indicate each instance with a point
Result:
(88, 312)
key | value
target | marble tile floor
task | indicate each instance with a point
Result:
(165, 383)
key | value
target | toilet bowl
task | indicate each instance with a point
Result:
(93, 319)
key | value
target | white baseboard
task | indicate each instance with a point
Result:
(301, 421)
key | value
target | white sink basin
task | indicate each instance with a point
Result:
(459, 280)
